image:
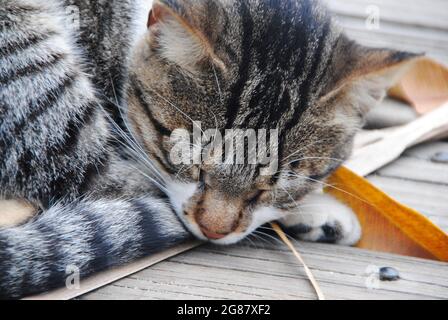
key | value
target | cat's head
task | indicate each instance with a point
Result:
(251, 64)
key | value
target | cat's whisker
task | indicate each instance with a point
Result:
(137, 156)
(150, 178)
(269, 236)
(133, 146)
(142, 159)
(144, 156)
(259, 239)
(305, 147)
(289, 195)
(332, 187)
(263, 236)
(113, 90)
(316, 158)
(252, 243)
(296, 242)
(217, 83)
(180, 171)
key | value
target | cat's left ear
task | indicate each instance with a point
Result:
(178, 34)
(368, 72)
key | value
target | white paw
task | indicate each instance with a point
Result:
(321, 218)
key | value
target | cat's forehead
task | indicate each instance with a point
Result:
(233, 179)
(265, 25)
(278, 54)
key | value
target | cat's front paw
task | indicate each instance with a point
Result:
(321, 218)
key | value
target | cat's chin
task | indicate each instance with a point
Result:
(230, 239)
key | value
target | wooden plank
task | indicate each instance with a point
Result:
(418, 28)
(417, 170)
(269, 271)
(409, 12)
(434, 47)
(419, 183)
(427, 150)
(390, 113)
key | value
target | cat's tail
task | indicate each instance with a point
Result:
(89, 236)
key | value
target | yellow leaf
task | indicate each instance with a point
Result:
(388, 226)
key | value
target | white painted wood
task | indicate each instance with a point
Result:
(430, 14)
(390, 113)
(427, 151)
(271, 272)
(106, 277)
(403, 26)
(417, 170)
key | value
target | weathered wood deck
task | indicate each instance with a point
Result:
(266, 269)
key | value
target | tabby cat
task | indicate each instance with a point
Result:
(86, 117)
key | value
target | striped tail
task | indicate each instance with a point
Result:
(88, 235)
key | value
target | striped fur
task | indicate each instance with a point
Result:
(83, 235)
(56, 139)
(52, 131)
(86, 117)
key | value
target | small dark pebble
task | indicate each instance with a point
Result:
(441, 157)
(389, 274)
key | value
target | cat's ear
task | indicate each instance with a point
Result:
(175, 35)
(368, 72)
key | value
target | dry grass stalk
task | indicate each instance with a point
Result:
(308, 272)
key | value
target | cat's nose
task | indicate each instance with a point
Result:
(212, 235)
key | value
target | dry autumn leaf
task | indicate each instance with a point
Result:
(388, 226)
(424, 86)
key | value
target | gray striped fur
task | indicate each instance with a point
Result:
(102, 181)
(56, 139)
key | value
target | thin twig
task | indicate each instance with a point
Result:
(308, 272)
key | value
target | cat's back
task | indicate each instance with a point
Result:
(51, 129)
(107, 31)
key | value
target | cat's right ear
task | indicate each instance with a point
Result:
(175, 37)
(158, 13)
(152, 18)
(367, 72)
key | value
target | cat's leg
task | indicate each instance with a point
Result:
(321, 218)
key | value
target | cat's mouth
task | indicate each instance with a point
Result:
(234, 230)
(214, 237)
(203, 233)
(219, 225)
(222, 226)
